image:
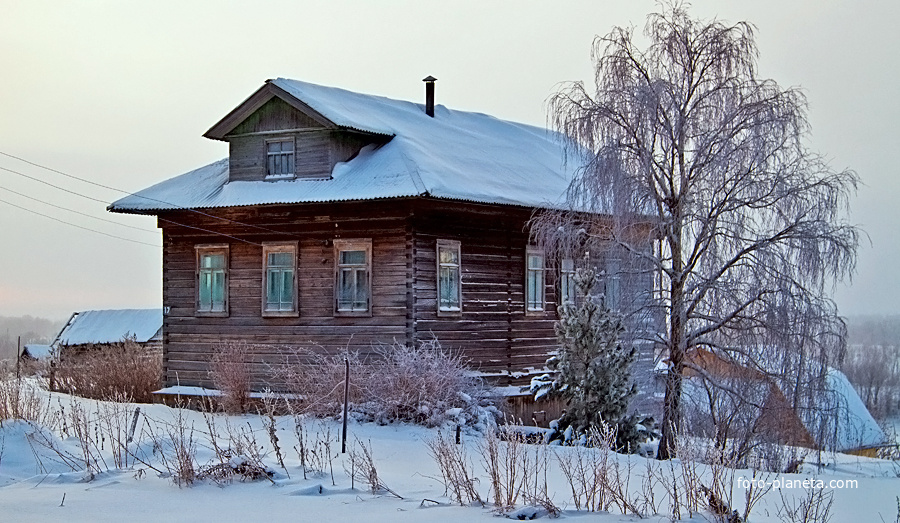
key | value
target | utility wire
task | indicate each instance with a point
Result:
(55, 186)
(209, 231)
(79, 226)
(128, 193)
(120, 224)
(104, 202)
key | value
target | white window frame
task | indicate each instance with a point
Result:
(274, 248)
(567, 287)
(444, 267)
(291, 156)
(211, 250)
(535, 277)
(340, 270)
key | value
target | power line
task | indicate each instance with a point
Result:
(78, 226)
(209, 231)
(79, 212)
(55, 186)
(128, 193)
(107, 203)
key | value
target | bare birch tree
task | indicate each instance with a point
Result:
(684, 148)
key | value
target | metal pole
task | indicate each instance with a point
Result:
(346, 400)
(18, 355)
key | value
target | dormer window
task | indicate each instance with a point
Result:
(280, 158)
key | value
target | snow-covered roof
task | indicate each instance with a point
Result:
(853, 427)
(37, 351)
(111, 326)
(456, 155)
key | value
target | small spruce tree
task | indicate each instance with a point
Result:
(592, 370)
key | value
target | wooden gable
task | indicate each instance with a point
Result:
(276, 115)
(271, 114)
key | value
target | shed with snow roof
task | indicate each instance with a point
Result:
(104, 327)
(342, 219)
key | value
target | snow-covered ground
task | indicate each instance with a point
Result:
(36, 485)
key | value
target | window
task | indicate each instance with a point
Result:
(534, 280)
(353, 285)
(567, 281)
(280, 158)
(448, 279)
(611, 291)
(279, 279)
(212, 282)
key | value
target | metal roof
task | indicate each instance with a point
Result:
(456, 155)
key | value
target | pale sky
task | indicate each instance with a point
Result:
(120, 93)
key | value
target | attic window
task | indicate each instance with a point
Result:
(280, 158)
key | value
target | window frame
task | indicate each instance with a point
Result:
(211, 249)
(360, 244)
(293, 155)
(568, 291)
(449, 245)
(529, 252)
(612, 284)
(280, 247)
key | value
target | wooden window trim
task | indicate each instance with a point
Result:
(451, 244)
(211, 248)
(529, 311)
(612, 283)
(272, 247)
(564, 275)
(358, 244)
(276, 177)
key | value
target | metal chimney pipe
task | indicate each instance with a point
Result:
(429, 95)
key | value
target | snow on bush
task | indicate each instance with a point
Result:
(424, 384)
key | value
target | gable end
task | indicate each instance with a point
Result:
(240, 114)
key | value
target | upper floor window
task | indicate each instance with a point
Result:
(534, 280)
(212, 282)
(353, 283)
(449, 295)
(567, 281)
(280, 262)
(280, 158)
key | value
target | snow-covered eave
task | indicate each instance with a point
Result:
(156, 211)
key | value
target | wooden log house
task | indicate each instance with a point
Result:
(346, 220)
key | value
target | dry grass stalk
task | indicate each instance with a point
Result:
(815, 507)
(507, 465)
(110, 371)
(230, 373)
(362, 468)
(21, 399)
(456, 470)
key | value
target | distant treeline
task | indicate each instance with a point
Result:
(872, 362)
(31, 330)
(873, 330)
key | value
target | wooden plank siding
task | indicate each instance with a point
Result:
(492, 331)
(317, 148)
(191, 340)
